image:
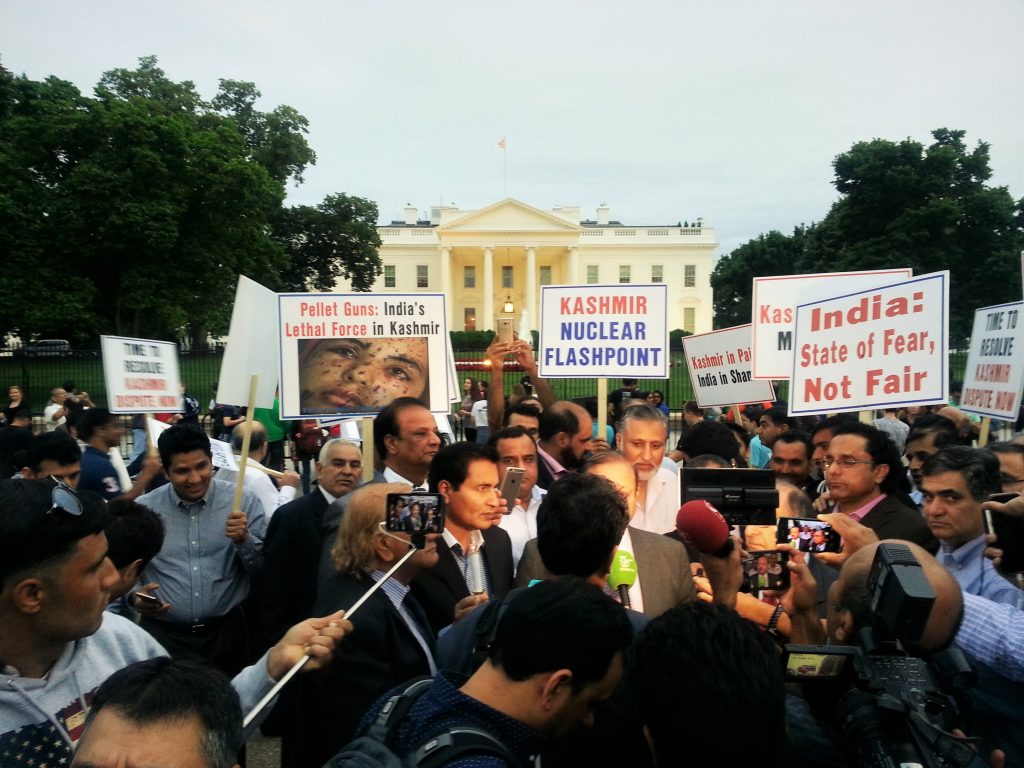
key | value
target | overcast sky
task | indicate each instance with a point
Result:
(666, 110)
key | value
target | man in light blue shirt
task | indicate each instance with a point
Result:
(955, 482)
(201, 575)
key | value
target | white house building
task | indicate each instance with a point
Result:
(488, 259)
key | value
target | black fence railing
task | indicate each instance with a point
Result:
(38, 375)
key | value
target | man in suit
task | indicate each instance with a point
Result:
(663, 569)
(286, 586)
(566, 431)
(392, 644)
(863, 469)
(405, 437)
(466, 475)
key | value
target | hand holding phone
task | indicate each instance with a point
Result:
(148, 604)
(511, 484)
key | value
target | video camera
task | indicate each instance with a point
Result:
(893, 708)
(743, 496)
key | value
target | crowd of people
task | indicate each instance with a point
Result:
(146, 606)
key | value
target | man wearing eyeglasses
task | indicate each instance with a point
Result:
(406, 440)
(863, 471)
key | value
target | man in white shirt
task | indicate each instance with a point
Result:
(516, 448)
(256, 480)
(642, 436)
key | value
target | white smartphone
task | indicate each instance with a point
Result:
(510, 486)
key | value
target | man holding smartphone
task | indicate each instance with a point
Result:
(516, 449)
(466, 475)
(955, 482)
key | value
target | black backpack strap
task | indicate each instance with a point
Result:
(457, 742)
(396, 707)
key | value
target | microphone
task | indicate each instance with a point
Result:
(622, 575)
(475, 564)
(702, 526)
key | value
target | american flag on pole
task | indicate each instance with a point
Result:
(502, 142)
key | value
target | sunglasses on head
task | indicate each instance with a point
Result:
(64, 499)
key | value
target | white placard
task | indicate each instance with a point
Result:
(882, 347)
(250, 348)
(772, 309)
(720, 370)
(603, 331)
(995, 364)
(141, 375)
(353, 353)
(223, 456)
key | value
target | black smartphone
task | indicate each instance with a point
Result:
(1009, 533)
(414, 513)
(142, 597)
(807, 534)
(510, 485)
(766, 570)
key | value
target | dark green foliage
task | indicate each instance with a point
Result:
(902, 205)
(133, 212)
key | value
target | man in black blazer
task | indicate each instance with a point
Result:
(863, 470)
(286, 585)
(466, 475)
(664, 579)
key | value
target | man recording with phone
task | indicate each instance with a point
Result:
(474, 555)
(517, 449)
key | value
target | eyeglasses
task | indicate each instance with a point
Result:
(845, 462)
(64, 499)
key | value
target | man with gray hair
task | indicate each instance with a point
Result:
(641, 438)
(286, 586)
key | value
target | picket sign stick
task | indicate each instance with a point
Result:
(866, 417)
(602, 408)
(306, 657)
(368, 449)
(264, 470)
(986, 427)
(150, 446)
(249, 415)
(737, 416)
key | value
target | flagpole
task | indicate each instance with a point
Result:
(504, 164)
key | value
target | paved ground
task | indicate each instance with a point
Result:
(263, 752)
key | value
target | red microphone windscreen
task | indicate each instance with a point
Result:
(702, 526)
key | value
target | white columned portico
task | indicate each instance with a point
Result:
(446, 282)
(488, 319)
(574, 266)
(531, 283)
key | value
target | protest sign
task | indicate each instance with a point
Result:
(141, 375)
(882, 347)
(249, 349)
(995, 363)
(720, 371)
(348, 354)
(604, 330)
(222, 455)
(772, 309)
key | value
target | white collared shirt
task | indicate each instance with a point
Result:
(661, 504)
(521, 524)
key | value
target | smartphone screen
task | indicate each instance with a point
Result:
(415, 513)
(510, 485)
(807, 535)
(766, 570)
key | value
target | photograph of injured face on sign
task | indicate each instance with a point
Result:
(360, 374)
(353, 354)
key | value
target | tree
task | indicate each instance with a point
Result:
(770, 254)
(134, 211)
(337, 238)
(929, 209)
